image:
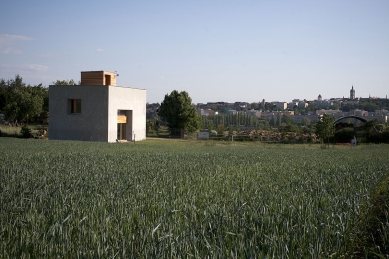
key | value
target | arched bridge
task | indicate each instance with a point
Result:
(352, 117)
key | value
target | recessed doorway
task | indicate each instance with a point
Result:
(124, 125)
(107, 79)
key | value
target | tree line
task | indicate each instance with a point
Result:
(25, 103)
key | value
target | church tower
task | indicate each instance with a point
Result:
(319, 98)
(352, 93)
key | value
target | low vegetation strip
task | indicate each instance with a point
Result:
(371, 235)
(183, 199)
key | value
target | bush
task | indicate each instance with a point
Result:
(344, 135)
(26, 132)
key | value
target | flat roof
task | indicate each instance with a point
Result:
(99, 71)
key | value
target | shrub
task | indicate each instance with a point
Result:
(26, 131)
(344, 135)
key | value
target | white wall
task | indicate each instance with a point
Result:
(125, 98)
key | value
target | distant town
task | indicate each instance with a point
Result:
(298, 109)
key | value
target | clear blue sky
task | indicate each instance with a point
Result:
(215, 50)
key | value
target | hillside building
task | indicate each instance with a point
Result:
(281, 105)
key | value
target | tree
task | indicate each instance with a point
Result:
(179, 113)
(64, 82)
(344, 135)
(220, 129)
(230, 131)
(325, 128)
(149, 126)
(278, 120)
(254, 106)
(8, 88)
(24, 104)
(272, 121)
(238, 130)
(156, 125)
(287, 119)
(210, 125)
(290, 128)
(305, 121)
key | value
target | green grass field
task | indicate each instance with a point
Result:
(175, 199)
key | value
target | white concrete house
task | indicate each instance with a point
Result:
(97, 110)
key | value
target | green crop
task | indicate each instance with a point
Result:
(182, 200)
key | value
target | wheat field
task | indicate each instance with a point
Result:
(166, 199)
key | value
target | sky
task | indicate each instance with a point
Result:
(215, 50)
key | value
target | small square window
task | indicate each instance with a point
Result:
(75, 106)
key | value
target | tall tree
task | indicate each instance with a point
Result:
(325, 128)
(177, 110)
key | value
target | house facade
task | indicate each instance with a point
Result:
(97, 110)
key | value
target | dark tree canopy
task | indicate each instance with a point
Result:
(179, 113)
(7, 88)
(22, 102)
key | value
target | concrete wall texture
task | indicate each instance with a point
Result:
(99, 109)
